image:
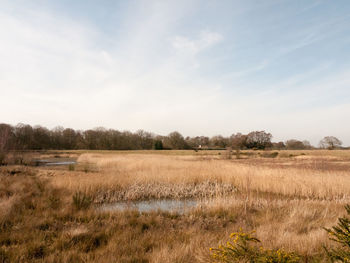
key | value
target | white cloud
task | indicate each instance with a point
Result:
(188, 49)
(55, 71)
(206, 39)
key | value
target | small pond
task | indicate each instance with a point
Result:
(53, 162)
(60, 163)
(168, 205)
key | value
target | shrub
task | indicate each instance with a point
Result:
(244, 249)
(340, 234)
(269, 154)
(82, 201)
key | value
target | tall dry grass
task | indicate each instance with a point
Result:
(287, 200)
(118, 172)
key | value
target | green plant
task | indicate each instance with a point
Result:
(82, 201)
(244, 248)
(158, 145)
(340, 234)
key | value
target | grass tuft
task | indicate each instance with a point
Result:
(82, 201)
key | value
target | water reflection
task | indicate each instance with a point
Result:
(169, 205)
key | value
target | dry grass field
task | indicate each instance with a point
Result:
(50, 214)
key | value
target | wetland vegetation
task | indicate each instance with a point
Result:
(52, 213)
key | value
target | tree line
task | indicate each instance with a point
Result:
(26, 137)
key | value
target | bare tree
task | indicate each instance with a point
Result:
(219, 141)
(297, 145)
(278, 145)
(330, 142)
(238, 141)
(5, 134)
(175, 140)
(259, 140)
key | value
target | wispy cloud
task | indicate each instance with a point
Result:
(206, 39)
(177, 66)
(189, 48)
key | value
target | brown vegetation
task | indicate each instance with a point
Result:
(49, 214)
(24, 137)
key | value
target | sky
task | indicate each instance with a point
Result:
(200, 67)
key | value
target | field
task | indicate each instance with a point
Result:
(51, 214)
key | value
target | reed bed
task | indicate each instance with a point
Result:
(123, 173)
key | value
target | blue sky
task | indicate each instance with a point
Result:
(199, 67)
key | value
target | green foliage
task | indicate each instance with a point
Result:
(340, 234)
(82, 201)
(71, 167)
(244, 248)
(158, 145)
(258, 140)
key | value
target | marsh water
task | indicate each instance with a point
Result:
(168, 205)
(54, 161)
(60, 163)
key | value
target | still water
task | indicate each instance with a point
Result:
(168, 205)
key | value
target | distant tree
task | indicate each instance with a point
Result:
(307, 144)
(158, 145)
(176, 141)
(295, 145)
(204, 141)
(41, 137)
(191, 142)
(259, 140)
(6, 135)
(57, 137)
(145, 139)
(330, 142)
(219, 141)
(24, 137)
(278, 145)
(196, 142)
(238, 141)
(69, 140)
(90, 139)
(80, 143)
